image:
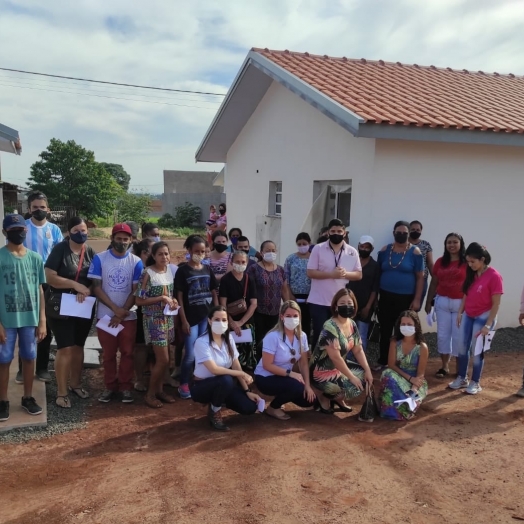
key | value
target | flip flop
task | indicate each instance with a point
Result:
(140, 387)
(441, 373)
(165, 398)
(67, 402)
(79, 392)
(152, 402)
(272, 414)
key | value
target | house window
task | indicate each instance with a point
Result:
(275, 199)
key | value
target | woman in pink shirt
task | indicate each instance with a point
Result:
(477, 316)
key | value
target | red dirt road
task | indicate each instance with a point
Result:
(460, 459)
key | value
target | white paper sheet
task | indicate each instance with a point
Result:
(431, 317)
(245, 336)
(301, 300)
(261, 405)
(484, 342)
(71, 308)
(103, 324)
(169, 312)
(409, 401)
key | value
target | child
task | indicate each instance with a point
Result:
(22, 313)
(212, 216)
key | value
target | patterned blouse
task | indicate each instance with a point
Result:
(157, 284)
(295, 269)
(425, 248)
(219, 266)
(269, 288)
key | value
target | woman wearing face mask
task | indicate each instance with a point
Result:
(299, 283)
(66, 272)
(415, 232)
(284, 346)
(401, 284)
(270, 281)
(221, 224)
(219, 379)
(404, 378)
(219, 257)
(236, 288)
(234, 234)
(339, 368)
(150, 230)
(196, 290)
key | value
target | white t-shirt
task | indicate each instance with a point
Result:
(205, 351)
(277, 344)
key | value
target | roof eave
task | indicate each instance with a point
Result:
(10, 140)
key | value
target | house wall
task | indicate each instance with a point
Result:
(171, 201)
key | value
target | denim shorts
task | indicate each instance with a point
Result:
(26, 344)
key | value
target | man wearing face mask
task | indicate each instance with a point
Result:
(115, 274)
(365, 290)
(331, 265)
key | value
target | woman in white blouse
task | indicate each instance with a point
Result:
(216, 368)
(282, 347)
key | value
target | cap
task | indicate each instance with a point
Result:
(121, 228)
(366, 239)
(11, 221)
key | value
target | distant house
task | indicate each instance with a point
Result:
(200, 188)
(306, 138)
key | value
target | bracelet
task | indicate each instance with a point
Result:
(246, 391)
(410, 380)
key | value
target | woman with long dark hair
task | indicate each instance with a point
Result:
(477, 316)
(449, 273)
(218, 378)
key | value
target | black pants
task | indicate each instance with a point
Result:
(305, 315)
(319, 315)
(390, 306)
(43, 349)
(220, 390)
(263, 324)
(284, 389)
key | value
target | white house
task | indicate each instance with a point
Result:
(306, 138)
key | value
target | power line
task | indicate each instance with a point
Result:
(110, 83)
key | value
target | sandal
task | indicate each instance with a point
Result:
(152, 402)
(441, 373)
(80, 392)
(318, 407)
(139, 386)
(65, 403)
(341, 406)
(165, 398)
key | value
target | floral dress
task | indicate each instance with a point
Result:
(394, 387)
(324, 375)
(159, 329)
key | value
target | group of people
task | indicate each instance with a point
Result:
(234, 317)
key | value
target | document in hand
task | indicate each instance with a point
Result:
(484, 343)
(261, 405)
(246, 336)
(170, 312)
(410, 401)
(103, 324)
(71, 308)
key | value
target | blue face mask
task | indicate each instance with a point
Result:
(234, 240)
(79, 238)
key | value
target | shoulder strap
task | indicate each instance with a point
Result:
(81, 261)
(245, 287)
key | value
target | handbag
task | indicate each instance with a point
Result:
(369, 409)
(53, 300)
(374, 329)
(238, 306)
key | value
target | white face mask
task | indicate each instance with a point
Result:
(197, 259)
(270, 257)
(407, 331)
(303, 249)
(218, 327)
(239, 268)
(155, 239)
(291, 322)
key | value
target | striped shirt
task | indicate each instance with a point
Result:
(42, 239)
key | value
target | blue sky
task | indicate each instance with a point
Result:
(200, 45)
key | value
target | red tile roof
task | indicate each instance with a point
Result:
(412, 95)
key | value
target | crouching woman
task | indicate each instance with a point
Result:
(218, 377)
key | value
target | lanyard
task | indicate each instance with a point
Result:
(337, 260)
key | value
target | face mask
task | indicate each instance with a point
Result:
(246, 251)
(291, 322)
(155, 239)
(39, 215)
(346, 311)
(16, 237)
(415, 235)
(234, 240)
(401, 238)
(219, 248)
(336, 239)
(197, 259)
(120, 247)
(270, 257)
(188, 257)
(218, 327)
(407, 331)
(205, 261)
(303, 249)
(239, 268)
(221, 211)
(364, 253)
(79, 238)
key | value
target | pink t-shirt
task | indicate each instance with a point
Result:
(323, 258)
(478, 298)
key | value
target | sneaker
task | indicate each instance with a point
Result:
(4, 410)
(43, 376)
(520, 392)
(30, 405)
(127, 397)
(473, 388)
(106, 396)
(183, 391)
(215, 419)
(459, 383)
(19, 379)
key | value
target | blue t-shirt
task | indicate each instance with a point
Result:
(398, 274)
(42, 239)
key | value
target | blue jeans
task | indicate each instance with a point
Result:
(363, 329)
(469, 327)
(26, 344)
(188, 362)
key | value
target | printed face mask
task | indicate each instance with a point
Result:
(120, 247)
(197, 259)
(407, 331)
(218, 327)
(291, 322)
(270, 257)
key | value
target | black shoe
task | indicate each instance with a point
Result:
(341, 406)
(318, 407)
(44, 376)
(106, 396)
(4, 410)
(19, 379)
(127, 397)
(215, 419)
(30, 405)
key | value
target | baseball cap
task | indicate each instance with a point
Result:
(121, 228)
(12, 221)
(366, 239)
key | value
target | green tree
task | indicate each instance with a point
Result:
(132, 206)
(69, 175)
(121, 176)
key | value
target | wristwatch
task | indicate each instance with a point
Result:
(486, 326)
(246, 391)
(288, 372)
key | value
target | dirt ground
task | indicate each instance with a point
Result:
(175, 245)
(460, 459)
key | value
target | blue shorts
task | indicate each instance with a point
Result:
(26, 344)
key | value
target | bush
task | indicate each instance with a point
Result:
(187, 215)
(166, 221)
(135, 207)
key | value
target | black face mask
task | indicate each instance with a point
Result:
(79, 238)
(364, 253)
(16, 237)
(401, 238)
(219, 248)
(39, 215)
(245, 251)
(120, 247)
(336, 239)
(221, 211)
(346, 311)
(415, 235)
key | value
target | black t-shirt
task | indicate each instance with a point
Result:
(196, 286)
(363, 288)
(233, 290)
(65, 263)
